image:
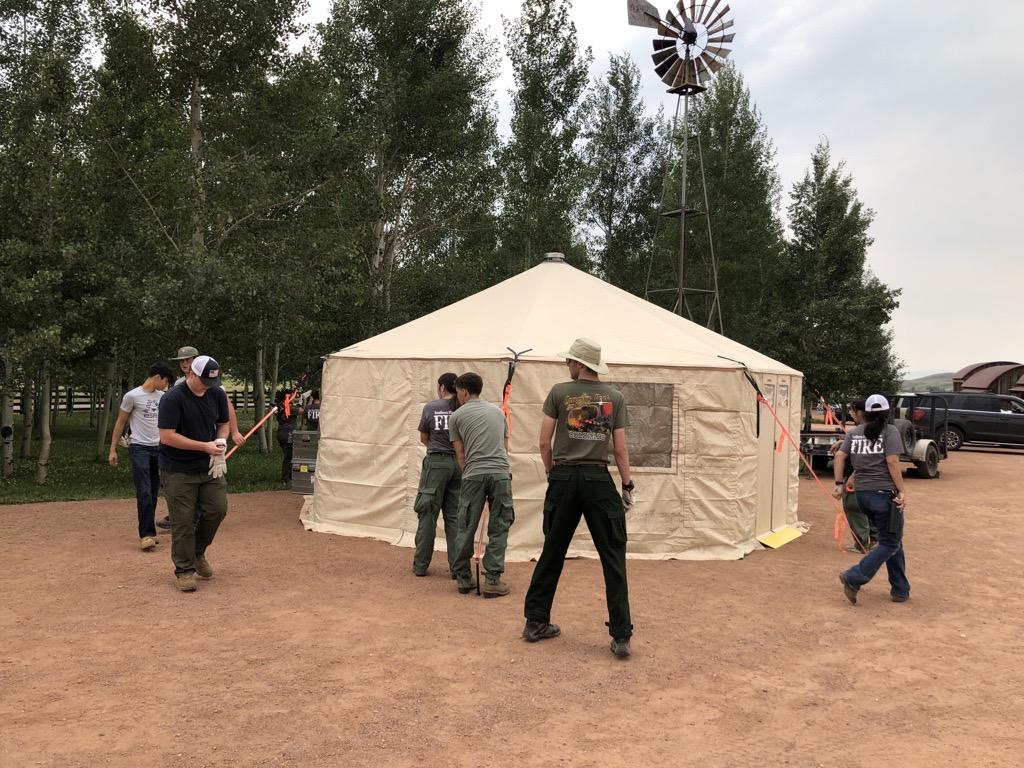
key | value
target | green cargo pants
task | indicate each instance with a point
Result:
(192, 534)
(865, 535)
(440, 480)
(496, 490)
(588, 492)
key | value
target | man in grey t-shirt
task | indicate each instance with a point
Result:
(479, 435)
(139, 408)
(440, 479)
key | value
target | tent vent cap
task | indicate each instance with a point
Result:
(554, 257)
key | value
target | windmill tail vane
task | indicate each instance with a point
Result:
(690, 49)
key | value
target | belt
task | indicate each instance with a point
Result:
(581, 464)
(440, 453)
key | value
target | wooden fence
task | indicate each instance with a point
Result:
(64, 400)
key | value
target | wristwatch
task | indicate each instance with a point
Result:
(840, 482)
(629, 487)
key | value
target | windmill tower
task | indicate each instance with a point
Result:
(687, 54)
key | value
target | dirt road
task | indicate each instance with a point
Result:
(315, 650)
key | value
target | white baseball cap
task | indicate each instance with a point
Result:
(876, 403)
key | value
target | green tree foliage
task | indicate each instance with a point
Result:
(832, 313)
(625, 159)
(411, 131)
(542, 172)
(43, 84)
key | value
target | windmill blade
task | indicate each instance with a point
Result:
(640, 13)
(722, 39)
(722, 53)
(708, 12)
(660, 45)
(674, 22)
(665, 31)
(722, 27)
(718, 18)
(669, 77)
(699, 12)
(668, 65)
(702, 70)
(687, 75)
(660, 56)
(711, 63)
(687, 18)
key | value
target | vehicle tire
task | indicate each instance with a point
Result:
(953, 437)
(907, 434)
(929, 468)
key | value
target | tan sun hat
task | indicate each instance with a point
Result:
(185, 353)
(587, 352)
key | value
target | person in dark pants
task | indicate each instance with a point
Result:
(286, 422)
(139, 408)
(194, 427)
(440, 479)
(874, 448)
(586, 419)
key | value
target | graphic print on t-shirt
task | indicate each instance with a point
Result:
(588, 417)
(861, 446)
(441, 420)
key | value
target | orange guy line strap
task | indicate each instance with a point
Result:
(840, 519)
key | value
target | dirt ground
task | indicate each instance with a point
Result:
(316, 650)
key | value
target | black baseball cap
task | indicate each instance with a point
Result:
(208, 370)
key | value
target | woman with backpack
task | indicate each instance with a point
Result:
(874, 448)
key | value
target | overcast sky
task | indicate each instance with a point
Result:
(922, 100)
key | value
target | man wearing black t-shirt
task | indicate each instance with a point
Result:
(193, 423)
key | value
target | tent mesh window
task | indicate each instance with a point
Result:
(651, 429)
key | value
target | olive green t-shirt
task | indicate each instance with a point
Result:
(586, 413)
(482, 429)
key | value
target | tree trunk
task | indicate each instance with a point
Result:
(28, 403)
(273, 378)
(195, 124)
(103, 422)
(42, 464)
(7, 433)
(261, 391)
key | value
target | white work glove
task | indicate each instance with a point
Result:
(218, 461)
(627, 495)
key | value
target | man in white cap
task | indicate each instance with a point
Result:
(584, 421)
(193, 423)
(184, 359)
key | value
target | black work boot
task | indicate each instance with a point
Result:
(620, 647)
(540, 630)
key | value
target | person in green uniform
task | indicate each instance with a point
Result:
(479, 434)
(440, 478)
(584, 421)
(864, 531)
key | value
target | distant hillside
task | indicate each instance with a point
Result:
(938, 382)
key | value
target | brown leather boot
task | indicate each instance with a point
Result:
(494, 588)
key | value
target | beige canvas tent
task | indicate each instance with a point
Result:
(707, 485)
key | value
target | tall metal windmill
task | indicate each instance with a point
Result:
(686, 57)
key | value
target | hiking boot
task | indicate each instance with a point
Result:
(165, 523)
(620, 647)
(848, 589)
(899, 598)
(466, 585)
(494, 588)
(418, 572)
(146, 543)
(540, 630)
(203, 569)
(187, 582)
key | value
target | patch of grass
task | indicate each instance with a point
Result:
(75, 473)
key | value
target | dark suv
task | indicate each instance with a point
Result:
(976, 417)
